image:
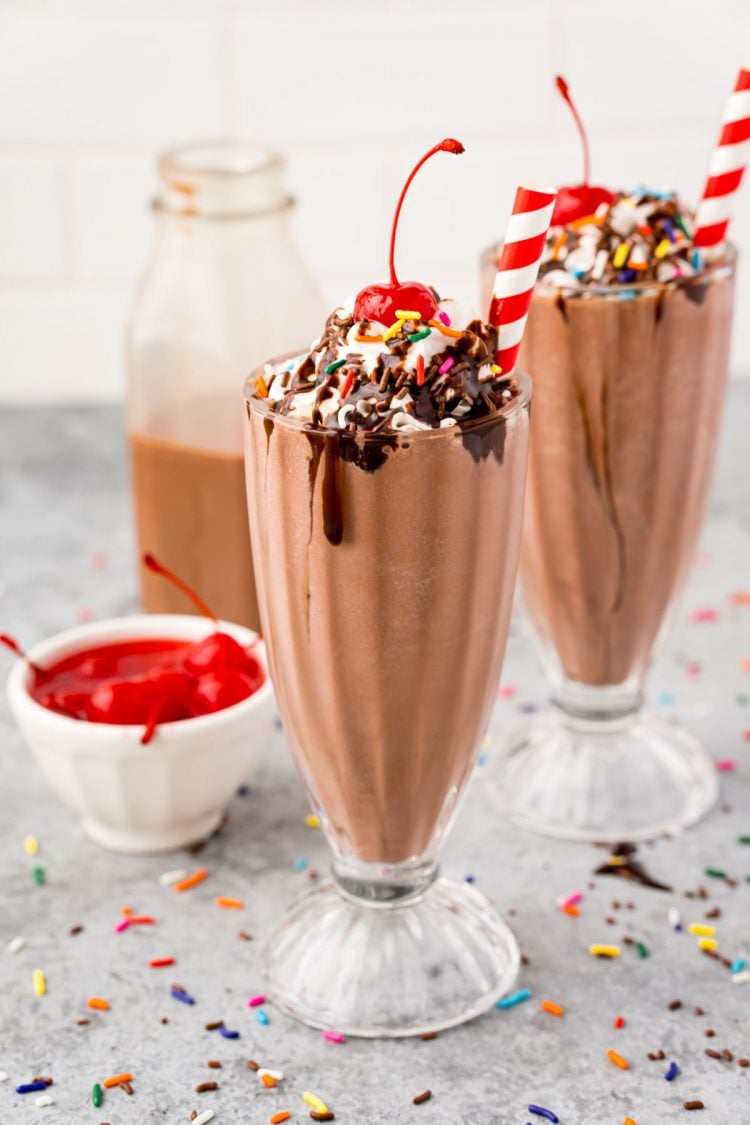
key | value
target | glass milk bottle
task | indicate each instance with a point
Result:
(226, 286)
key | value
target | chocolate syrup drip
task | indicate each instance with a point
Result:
(333, 514)
(268, 427)
(622, 558)
(603, 482)
(659, 312)
(484, 438)
(317, 444)
(369, 453)
(696, 292)
(632, 869)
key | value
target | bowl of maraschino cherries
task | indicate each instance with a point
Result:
(146, 725)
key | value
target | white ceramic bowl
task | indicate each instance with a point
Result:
(152, 798)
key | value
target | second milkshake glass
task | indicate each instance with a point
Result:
(385, 567)
(629, 388)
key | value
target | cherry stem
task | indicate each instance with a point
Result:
(158, 568)
(152, 721)
(448, 145)
(564, 91)
(14, 646)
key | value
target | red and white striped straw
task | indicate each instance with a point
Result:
(518, 269)
(726, 168)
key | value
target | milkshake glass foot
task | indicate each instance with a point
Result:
(349, 963)
(619, 779)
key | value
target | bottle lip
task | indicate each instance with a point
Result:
(230, 178)
(183, 210)
(224, 157)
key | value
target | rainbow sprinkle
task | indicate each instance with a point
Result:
(514, 998)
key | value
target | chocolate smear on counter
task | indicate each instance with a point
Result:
(632, 869)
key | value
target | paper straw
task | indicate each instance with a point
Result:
(726, 168)
(518, 269)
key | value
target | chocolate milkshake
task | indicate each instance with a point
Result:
(385, 474)
(629, 362)
(627, 342)
(385, 478)
(201, 485)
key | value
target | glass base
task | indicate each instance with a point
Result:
(616, 780)
(378, 970)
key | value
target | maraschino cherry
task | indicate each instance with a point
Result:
(218, 652)
(576, 202)
(147, 681)
(380, 302)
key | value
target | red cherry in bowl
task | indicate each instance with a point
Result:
(97, 667)
(380, 302)
(124, 702)
(173, 686)
(254, 673)
(215, 692)
(579, 200)
(216, 653)
(72, 703)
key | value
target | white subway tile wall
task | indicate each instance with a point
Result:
(92, 90)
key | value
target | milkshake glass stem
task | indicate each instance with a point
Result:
(381, 885)
(606, 706)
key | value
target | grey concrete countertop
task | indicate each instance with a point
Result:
(63, 499)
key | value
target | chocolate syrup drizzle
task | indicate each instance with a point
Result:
(401, 384)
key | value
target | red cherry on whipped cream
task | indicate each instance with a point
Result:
(382, 301)
(577, 201)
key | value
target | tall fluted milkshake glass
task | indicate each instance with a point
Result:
(629, 379)
(385, 564)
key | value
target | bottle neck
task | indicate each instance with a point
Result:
(222, 181)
